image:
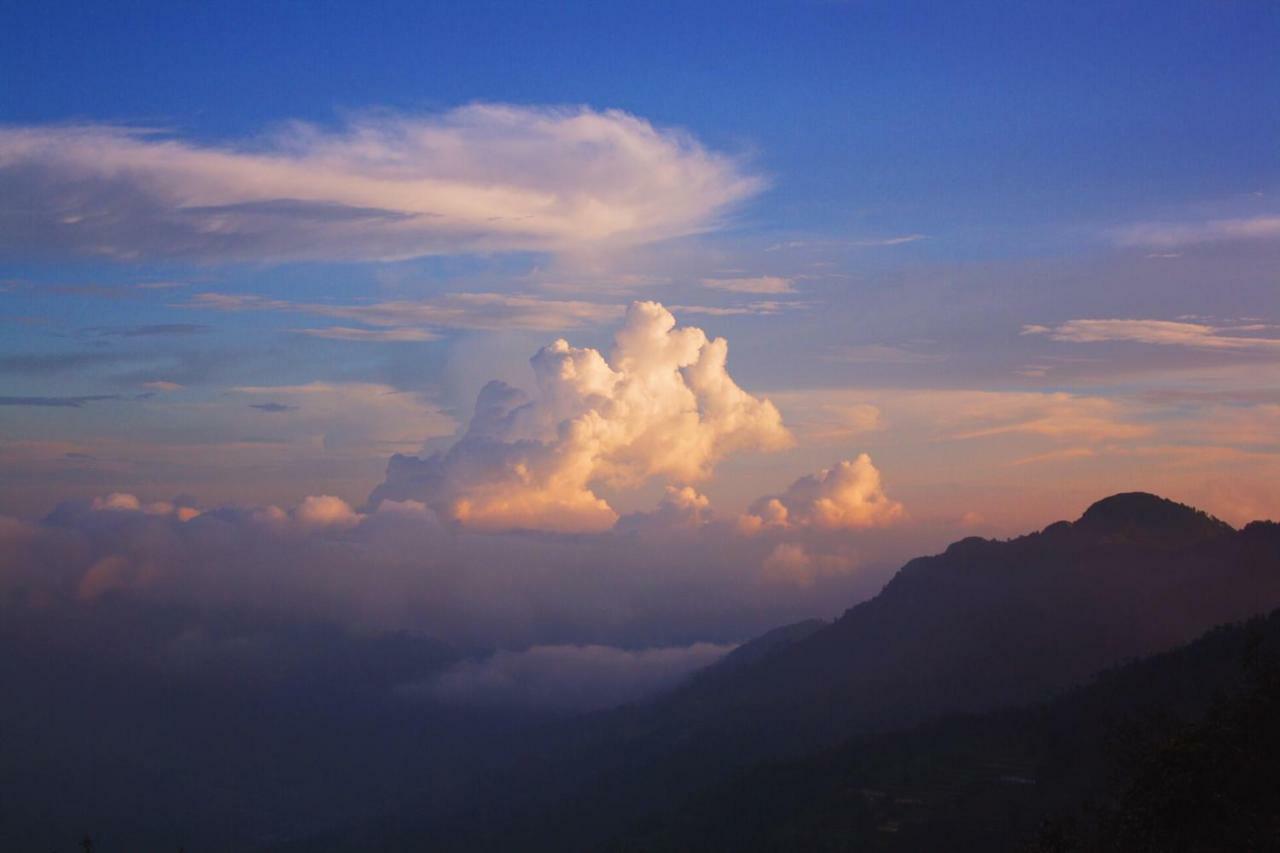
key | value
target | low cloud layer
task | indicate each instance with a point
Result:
(674, 577)
(578, 621)
(478, 178)
(568, 677)
(662, 405)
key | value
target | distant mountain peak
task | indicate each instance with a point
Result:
(1135, 514)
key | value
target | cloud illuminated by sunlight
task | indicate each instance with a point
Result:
(479, 178)
(662, 405)
(847, 495)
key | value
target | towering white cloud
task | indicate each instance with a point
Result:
(479, 178)
(662, 405)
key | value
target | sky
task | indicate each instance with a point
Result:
(781, 294)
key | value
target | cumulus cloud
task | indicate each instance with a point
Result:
(681, 508)
(847, 495)
(662, 405)
(478, 178)
(104, 576)
(325, 511)
(569, 677)
(125, 502)
(793, 563)
(1245, 337)
(435, 551)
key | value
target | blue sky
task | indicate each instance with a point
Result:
(935, 116)
(902, 201)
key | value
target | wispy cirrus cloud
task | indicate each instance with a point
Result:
(57, 402)
(349, 333)
(479, 178)
(1058, 416)
(755, 284)
(1245, 337)
(880, 354)
(756, 308)
(888, 241)
(472, 311)
(150, 330)
(938, 416)
(1172, 235)
(861, 243)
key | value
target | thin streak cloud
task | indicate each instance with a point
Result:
(348, 333)
(471, 311)
(756, 284)
(1172, 235)
(1162, 333)
(57, 402)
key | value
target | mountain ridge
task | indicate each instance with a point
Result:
(1134, 574)
(985, 624)
(1010, 779)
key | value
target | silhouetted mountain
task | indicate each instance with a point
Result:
(984, 625)
(989, 624)
(1176, 752)
(769, 642)
(1145, 518)
(277, 730)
